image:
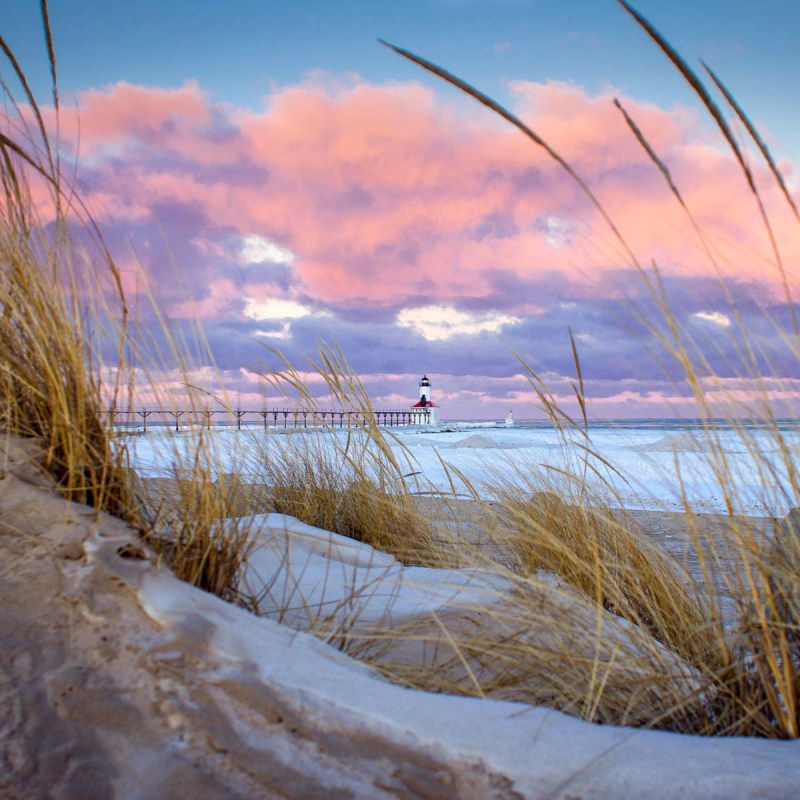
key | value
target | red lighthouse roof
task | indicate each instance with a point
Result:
(424, 404)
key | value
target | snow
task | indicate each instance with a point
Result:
(542, 753)
(644, 459)
(313, 579)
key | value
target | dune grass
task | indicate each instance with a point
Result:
(66, 351)
(359, 482)
(48, 388)
(624, 636)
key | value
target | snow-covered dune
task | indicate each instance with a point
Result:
(120, 681)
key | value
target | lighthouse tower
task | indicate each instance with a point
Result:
(425, 411)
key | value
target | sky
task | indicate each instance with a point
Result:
(273, 171)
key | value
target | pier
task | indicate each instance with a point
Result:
(295, 418)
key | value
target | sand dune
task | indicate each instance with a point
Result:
(117, 680)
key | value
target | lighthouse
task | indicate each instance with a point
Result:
(426, 412)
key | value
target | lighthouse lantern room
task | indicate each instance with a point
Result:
(426, 412)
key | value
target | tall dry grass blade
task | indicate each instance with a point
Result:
(17, 150)
(493, 105)
(51, 52)
(360, 483)
(696, 84)
(745, 351)
(22, 78)
(580, 389)
(555, 412)
(754, 135)
(716, 114)
(642, 139)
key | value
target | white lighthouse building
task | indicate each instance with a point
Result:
(426, 412)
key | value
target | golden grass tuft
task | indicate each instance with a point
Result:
(64, 324)
(359, 482)
(48, 390)
(603, 554)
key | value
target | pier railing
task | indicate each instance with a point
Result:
(134, 418)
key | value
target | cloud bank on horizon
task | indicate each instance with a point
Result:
(423, 235)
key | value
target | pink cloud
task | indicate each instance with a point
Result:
(123, 112)
(384, 192)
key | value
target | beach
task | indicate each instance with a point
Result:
(118, 680)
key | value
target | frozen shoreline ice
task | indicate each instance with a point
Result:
(644, 458)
